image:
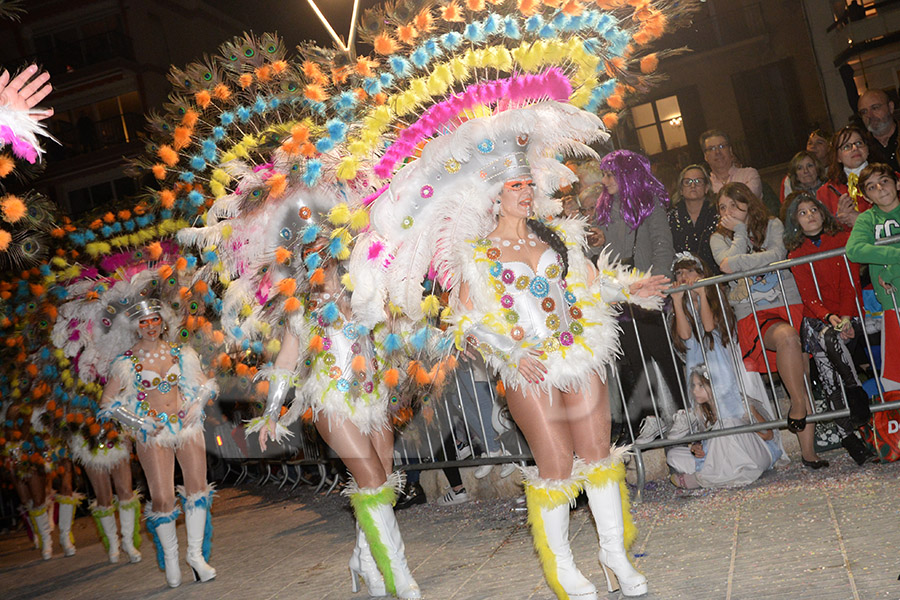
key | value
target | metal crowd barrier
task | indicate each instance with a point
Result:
(450, 430)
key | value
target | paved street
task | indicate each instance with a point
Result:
(795, 534)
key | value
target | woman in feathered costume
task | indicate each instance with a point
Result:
(158, 390)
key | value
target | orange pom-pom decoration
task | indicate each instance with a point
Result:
(649, 63)
(190, 118)
(315, 92)
(262, 388)
(317, 277)
(203, 98)
(264, 73)
(181, 263)
(7, 164)
(292, 304)
(358, 364)
(316, 344)
(610, 119)
(165, 271)
(155, 250)
(224, 361)
(50, 406)
(282, 254)
(384, 44)
(5, 239)
(94, 429)
(159, 170)
(31, 369)
(201, 287)
(112, 434)
(451, 12)
(392, 378)
(167, 198)
(222, 92)
(277, 184)
(182, 137)
(287, 286)
(12, 208)
(168, 155)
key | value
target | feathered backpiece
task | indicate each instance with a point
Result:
(469, 92)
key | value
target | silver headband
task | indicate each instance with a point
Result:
(507, 167)
(144, 308)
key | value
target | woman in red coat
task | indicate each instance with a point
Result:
(831, 294)
(840, 194)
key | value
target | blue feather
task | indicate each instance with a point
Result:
(337, 130)
(90, 236)
(187, 177)
(165, 214)
(399, 65)
(392, 343)
(243, 114)
(420, 58)
(191, 262)
(218, 131)
(451, 40)
(335, 246)
(534, 23)
(330, 312)
(492, 24)
(511, 28)
(310, 232)
(432, 47)
(474, 32)
(386, 79)
(257, 347)
(260, 105)
(106, 231)
(195, 197)
(419, 338)
(226, 119)
(313, 260)
(371, 85)
(129, 225)
(313, 172)
(197, 163)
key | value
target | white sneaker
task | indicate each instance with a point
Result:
(508, 469)
(485, 470)
(463, 450)
(680, 426)
(651, 428)
(452, 498)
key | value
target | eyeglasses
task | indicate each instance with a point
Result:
(692, 182)
(852, 145)
(716, 147)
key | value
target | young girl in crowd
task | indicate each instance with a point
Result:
(841, 193)
(880, 185)
(748, 237)
(700, 330)
(831, 296)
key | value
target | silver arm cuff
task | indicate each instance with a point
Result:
(278, 391)
(132, 421)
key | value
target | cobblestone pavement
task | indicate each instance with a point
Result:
(795, 534)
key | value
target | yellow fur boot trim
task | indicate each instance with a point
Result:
(612, 470)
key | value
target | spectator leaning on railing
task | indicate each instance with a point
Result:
(747, 238)
(831, 325)
(880, 185)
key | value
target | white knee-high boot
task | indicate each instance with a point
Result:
(374, 510)
(40, 517)
(67, 506)
(363, 565)
(198, 522)
(548, 502)
(131, 530)
(162, 529)
(604, 484)
(105, 519)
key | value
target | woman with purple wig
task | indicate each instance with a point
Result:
(631, 213)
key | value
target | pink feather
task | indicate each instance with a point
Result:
(375, 250)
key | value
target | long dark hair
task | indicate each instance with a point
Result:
(758, 216)
(722, 312)
(793, 233)
(552, 239)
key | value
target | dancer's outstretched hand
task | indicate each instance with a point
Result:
(22, 94)
(266, 433)
(650, 286)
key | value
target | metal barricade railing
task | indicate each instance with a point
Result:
(470, 413)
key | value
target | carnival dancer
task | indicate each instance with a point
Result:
(158, 389)
(100, 447)
(524, 294)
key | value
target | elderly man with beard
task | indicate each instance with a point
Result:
(877, 113)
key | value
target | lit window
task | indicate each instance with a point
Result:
(659, 125)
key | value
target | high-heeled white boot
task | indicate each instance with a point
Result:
(105, 519)
(162, 529)
(67, 505)
(362, 565)
(374, 509)
(131, 531)
(198, 523)
(40, 516)
(604, 484)
(548, 503)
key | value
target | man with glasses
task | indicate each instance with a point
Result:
(723, 166)
(877, 113)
